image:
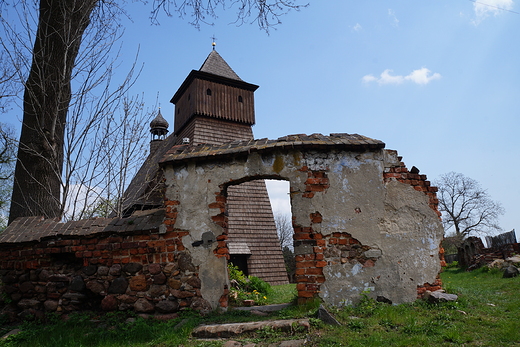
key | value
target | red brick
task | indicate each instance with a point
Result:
(218, 204)
(316, 188)
(305, 294)
(313, 271)
(304, 264)
(321, 263)
(302, 236)
(160, 243)
(126, 245)
(141, 237)
(222, 251)
(318, 249)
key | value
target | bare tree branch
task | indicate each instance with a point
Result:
(466, 207)
(285, 229)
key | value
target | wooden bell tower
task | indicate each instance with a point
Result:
(213, 105)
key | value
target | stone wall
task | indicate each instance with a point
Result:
(363, 223)
(145, 272)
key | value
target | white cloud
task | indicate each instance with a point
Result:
(357, 27)
(391, 14)
(485, 8)
(420, 76)
(279, 196)
(369, 78)
(387, 78)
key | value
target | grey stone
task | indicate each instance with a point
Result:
(174, 283)
(160, 278)
(154, 268)
(201, 305)
(128, 299)
(77, 297)
(439, 296)
(118, 286)
(28, 303)
(167, 306)
(132, 268)
(143, 306)
(90, 270)
(50, 305)
(233, 329)
(103, 270)
(58, 278)
(96, 287)
(194, 282)
(109, 303)
(26, 287)
(185, 263)
(326, 317)
(170, 267)
(12, 332)
(510, 271)
(115, 270)
(44, 275)
(77, 284)
(373, 253)
(157, 290)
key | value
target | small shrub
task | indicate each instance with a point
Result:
(247, 287)
(453, 264)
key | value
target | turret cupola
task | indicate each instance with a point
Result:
(158, 129)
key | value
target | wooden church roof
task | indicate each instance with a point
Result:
(215, 64)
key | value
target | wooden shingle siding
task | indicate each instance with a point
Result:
(251, 221)
(202, 130)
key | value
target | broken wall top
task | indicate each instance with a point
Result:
(35, 229)
(352, 142)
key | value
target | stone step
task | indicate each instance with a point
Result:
(234, 329)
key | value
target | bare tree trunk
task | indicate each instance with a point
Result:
(37, 179)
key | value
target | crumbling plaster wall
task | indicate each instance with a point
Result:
(354, 230)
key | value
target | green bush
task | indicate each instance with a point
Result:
(452, 265)
(248, 287)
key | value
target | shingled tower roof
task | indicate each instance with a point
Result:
(216, 65)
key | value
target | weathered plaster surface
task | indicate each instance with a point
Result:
(391, 220)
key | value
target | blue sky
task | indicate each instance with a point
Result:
(436, 80)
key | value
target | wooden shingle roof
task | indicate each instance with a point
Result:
(216, 65)
(35, 229)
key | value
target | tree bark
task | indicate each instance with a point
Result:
(37, 179)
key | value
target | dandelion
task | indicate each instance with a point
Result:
(265, 297)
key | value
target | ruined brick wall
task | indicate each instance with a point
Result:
(363, 224)
(357, 228)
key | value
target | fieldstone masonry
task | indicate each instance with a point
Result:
(362, 221)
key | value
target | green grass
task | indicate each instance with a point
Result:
(486, 314)
(282, 294)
